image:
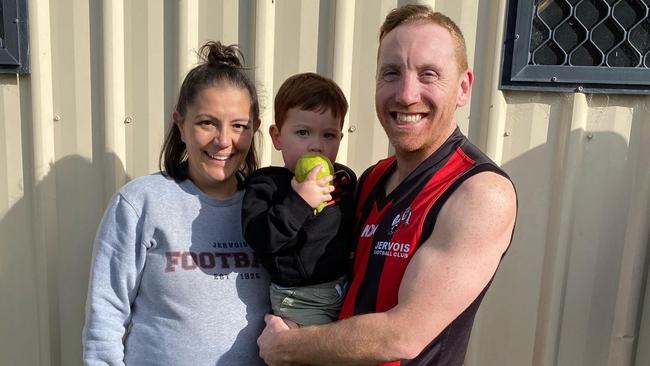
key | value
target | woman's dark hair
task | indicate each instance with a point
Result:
(219, 64)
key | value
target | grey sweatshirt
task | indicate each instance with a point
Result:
(172, 280)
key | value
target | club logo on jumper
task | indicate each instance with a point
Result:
(368, 230)
(402, 218)
(391, 249)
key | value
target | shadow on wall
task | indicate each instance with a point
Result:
(36, 298)
(556, 294)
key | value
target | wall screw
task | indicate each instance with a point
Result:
(590, 135)
(553, 79)
(352, 128)
(57, 118)
(507, 133)
(580, 89)
(128, 120)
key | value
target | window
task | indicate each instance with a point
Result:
(14, 50)
(578, 45)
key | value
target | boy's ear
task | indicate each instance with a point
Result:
(256, 124)
(178, 121)
(274, 131)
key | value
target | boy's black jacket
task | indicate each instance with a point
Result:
(297, 247)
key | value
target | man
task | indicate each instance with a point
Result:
(433, 221)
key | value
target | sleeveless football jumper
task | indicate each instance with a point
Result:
(390, 228)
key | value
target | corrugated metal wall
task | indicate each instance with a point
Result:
(92, 114)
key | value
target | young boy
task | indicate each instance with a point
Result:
(305, 251)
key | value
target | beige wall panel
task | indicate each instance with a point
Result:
(145, 118)
(488, 108)
(572, 290)
(43, 223)
(11, 184)
(344, 16)
(264, 46)
(580, 218)
(643, 179)
(19, 304)
(643, 345)
(187, 35)
(639, 229)
(296, 32)
(113, 67)
(296, 29)
(218, 21)
(632, 283)
(77, 169)
(535, 131)
(598, 238)
(366, 139)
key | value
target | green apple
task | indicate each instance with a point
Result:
(308, 162)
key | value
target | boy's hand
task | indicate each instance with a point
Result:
(314, 191)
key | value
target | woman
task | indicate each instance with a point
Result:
(172, 280)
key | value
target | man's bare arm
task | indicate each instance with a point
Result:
(444, 277)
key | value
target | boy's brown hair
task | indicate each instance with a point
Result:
(309, 92)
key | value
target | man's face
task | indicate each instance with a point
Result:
(419, 87)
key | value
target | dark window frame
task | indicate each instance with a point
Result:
(14, 37)
(519, 74)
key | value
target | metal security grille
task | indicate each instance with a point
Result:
(2, 27)
(14, 50)
(598, 45)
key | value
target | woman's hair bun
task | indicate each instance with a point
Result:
(218, 54)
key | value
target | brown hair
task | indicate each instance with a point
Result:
(409, 14)
(309, 92)
(219, 64)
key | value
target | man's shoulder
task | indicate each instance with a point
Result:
(487, 186)
(484, 208)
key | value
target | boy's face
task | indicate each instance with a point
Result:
(307, 131)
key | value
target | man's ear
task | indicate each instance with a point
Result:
(274, 131)
(178, 121)
(465, 87)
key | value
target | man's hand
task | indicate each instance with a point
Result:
(268, 351)
(314, 191)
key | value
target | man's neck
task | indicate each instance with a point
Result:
(408, 161)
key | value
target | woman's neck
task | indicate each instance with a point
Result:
(221, 190)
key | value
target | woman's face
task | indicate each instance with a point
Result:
(218, 132)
